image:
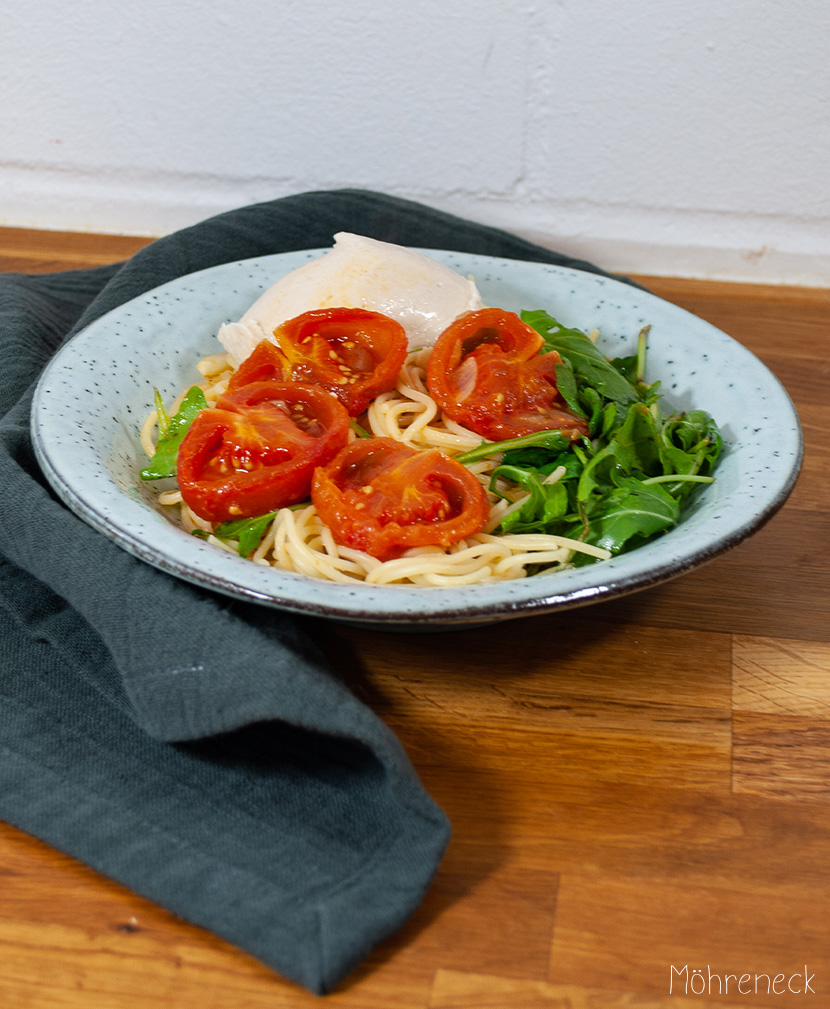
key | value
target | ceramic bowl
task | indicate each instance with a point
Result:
(95, 393)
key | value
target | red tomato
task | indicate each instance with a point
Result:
(486, 373)
(257, 449)
(352, 353)
(266, 363)
(383, 497)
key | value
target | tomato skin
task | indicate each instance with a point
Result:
(266, 363)
(353, 353)
(382, 497)
(248, 456)
(486, 373)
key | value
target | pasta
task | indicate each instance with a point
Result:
(296, 539)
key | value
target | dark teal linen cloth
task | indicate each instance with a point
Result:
(201, 751)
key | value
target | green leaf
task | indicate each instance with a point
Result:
(544, 460)
(247, 531)
(586, 361)
(567, 386)
(691, 446)
(163, 463)
(609, 419)
(697, 434)
(162, 417)
(547, 502)
(360, 431)
(592, 403)
(634, 449)
(554, 440)
(626, 366)
(634, 369)
(629, 481)
(632, 511)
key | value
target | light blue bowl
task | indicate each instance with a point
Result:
(94, 395)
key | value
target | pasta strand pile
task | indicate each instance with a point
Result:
(298, 541)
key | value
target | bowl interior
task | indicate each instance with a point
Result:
(94, 395)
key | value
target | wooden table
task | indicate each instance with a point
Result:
(635, 787)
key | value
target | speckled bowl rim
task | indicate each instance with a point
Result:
(95, 392)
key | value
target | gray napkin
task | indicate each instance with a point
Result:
(201, 751)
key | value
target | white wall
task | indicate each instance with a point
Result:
(662, 136)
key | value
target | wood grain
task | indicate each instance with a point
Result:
(26, 251)
(634, 786)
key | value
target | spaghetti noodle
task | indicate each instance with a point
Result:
(297, 540)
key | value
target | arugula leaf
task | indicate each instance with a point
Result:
(623, 484)
(609, 418)
(632, 510)
(628, 480)
(567, 386)
(583, 357)
(695, 433)
(543, 460)
(360, 431)
(593, 403)
(547, 502)
(172, 431)
(634, 449)
(691, 447)
(549, 439)
(626, 366)
(247, 531)
(162, 416)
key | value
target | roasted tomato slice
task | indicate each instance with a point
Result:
(485, 372)
(266, 363)
(257, 449)
(383, 497)
(353, 353)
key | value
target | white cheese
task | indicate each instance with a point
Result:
(425, 296)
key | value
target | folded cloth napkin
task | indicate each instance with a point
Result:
(196, 749)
